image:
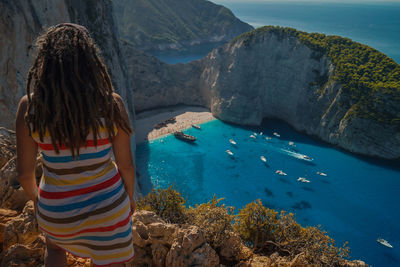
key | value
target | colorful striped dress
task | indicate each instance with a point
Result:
(82, 204)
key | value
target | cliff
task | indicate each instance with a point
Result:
(339, 91)
(321, 85)
(157, 84)
(22, 21)
(175, 24)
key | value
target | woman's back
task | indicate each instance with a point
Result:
(70, 114)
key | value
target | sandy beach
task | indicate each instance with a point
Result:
(185, 117)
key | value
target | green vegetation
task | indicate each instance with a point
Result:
(259, 228)
(147, 23)
(263, 230)
(370, 79)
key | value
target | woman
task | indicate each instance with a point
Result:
(84, 201)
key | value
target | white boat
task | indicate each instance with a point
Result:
(276, 134)
(196, 126)
(261, 133)
(384, 242)
(268, 138)
(280, 172)
(255, 134)
(291, 143)
(252, 136)
(229, 152)
(263, 159)
(303, 180)
(297, 155)
(322, 174)
(232, 142)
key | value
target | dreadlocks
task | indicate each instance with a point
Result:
(69, 89)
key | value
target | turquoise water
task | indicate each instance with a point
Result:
(356, 202)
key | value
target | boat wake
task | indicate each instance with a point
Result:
(297, 155)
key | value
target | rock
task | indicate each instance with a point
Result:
(280, 84)
(12, 195)
(22, 21)
(5, 216)
(20, 255)
(233, 250)
(22, 229)
(158, 243)
(158, 84)
(191, 249)
(176, 24)
(7, 146)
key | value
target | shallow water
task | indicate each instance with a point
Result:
(356, 202)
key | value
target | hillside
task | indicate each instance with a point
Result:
(175, 24)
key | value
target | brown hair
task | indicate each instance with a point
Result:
(69, 89)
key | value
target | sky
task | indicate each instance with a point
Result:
(320, 1)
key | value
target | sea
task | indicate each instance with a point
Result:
(374, 23)
(358, 199)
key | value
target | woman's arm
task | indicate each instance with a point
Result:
(26, 153)
(123, 155)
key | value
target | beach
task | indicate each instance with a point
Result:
(185, 116)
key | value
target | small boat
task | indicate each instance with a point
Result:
(268, 138)
(384, 242)
(185, 137)
(252, 136)
(229, 152)
(232, 141)
(303, 180)
(280, 172)
(305, 157)
(196, 126)
(291, 143)
(255, 134)
(322, 174)
(263, 159)
(276, 134)
(261, 133)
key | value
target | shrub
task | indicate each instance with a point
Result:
(267, 232)
(167, 203)
(214, 219)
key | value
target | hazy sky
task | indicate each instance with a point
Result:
(321, 1)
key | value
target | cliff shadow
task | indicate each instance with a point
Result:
(142, 170)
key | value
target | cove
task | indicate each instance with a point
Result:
(356, 202)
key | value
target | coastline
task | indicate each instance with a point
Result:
(185, 117)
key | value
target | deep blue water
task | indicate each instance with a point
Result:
(376, 24)
(357, 202)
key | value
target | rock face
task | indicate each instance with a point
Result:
(22, 21)
(274, 75)
(157, 84)
(175, 24)
(271, 76)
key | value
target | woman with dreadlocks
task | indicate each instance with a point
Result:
(84, 201)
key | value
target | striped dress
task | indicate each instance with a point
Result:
(82, 204)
